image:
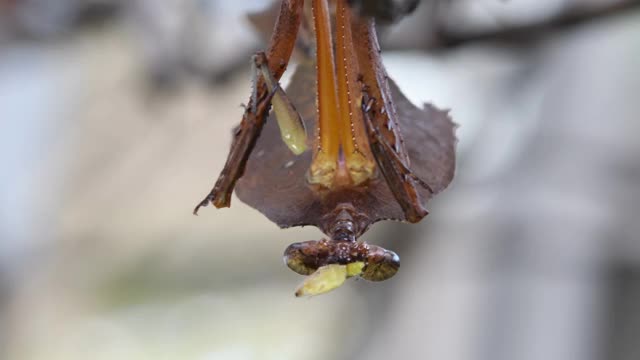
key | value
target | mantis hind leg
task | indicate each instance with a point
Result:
(280, 49)
(401, 180)
(245, 137)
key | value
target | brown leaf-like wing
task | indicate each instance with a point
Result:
(430, 140)
(275, 179)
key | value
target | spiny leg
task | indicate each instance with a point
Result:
(400, 179)
(357, 156)
(279, 52)
(324, 164)
(373, 77)
(342, 155)
(243, 143)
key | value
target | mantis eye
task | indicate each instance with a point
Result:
(381, 264)
(302, 257)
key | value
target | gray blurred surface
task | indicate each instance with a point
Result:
(533, 253)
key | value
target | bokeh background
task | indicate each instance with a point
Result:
(115, 119)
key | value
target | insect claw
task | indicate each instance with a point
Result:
(422, 183)
(369, 104)
(273, 92)
(204, 203)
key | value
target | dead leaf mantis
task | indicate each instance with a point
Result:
(341, 149)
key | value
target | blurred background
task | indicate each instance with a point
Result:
(115, 119)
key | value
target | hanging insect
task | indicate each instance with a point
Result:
(356, 168)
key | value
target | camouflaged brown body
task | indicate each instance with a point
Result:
(275, 183)
(336, 186)
(422, 139)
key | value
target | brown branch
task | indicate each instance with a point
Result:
(575, 17)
